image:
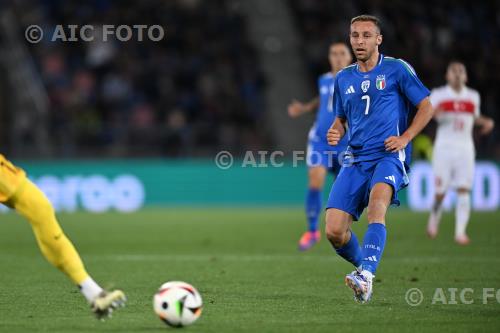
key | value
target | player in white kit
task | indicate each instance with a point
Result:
(457, 112)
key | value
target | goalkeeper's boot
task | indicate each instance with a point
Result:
(107, 301)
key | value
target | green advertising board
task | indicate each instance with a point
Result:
(128, 185)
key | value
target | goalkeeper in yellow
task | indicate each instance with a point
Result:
(19, 193)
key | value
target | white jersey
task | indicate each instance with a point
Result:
(456, 114)
(453, 155)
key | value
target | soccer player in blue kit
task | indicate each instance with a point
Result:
(373, 98)
(321, 157)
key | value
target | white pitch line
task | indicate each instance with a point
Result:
(274, 257)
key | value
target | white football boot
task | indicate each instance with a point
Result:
(361, 284)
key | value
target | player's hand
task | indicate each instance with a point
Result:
(296, 109)
(333, 136)
(395, 143)
(487, 126)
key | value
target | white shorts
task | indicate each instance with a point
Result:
(453, 168)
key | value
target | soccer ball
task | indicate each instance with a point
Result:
(177, 303)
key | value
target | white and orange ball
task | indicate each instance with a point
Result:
(178, 303)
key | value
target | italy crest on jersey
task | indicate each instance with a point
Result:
(380, 83)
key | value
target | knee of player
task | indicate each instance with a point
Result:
(439, 197)
(336, 236)
(315, 184)
(316, 178)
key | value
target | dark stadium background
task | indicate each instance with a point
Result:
(214, 81)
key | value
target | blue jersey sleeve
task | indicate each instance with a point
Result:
(339, 107)
(410, 84)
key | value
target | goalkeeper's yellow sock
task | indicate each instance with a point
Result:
(31, 203)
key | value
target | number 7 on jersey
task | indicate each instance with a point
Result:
(367, 97)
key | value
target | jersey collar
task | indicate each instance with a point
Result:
(380, 59)
(455, 93)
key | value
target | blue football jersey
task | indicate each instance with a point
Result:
(325, 114)
(376, 105)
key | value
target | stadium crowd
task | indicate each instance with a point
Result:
(426, 36)
(201, 88)
(197, 89)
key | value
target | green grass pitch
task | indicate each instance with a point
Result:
(252, 278)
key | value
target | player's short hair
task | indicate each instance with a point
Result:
(455, 62)
(368, 18)
(337, 42)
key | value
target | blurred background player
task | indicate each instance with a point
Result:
(321, 157)
(457, 112)
(19, 193)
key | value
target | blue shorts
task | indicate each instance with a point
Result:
(322, 154)
(351, 190)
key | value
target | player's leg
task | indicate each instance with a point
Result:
(313, 206)
(462, 215)
(317, 164)
(32, 204)
(464, 178)
(442, 166)
(345, 243)
(436, 212)
(375, 236)
(19, 193)
(373, 243)
(340, 235)
(388, 177)
(317, 176)
(345, 204)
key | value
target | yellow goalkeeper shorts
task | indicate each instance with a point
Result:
(11, 178)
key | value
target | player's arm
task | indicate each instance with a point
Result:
(297, 108)
(486, 123)
(423, 116)
(418, 95)
(336, 131)
(338, 128)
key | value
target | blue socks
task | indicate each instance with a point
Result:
(373, 246)
(368, 257)
(313, 208)
(351, 251)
